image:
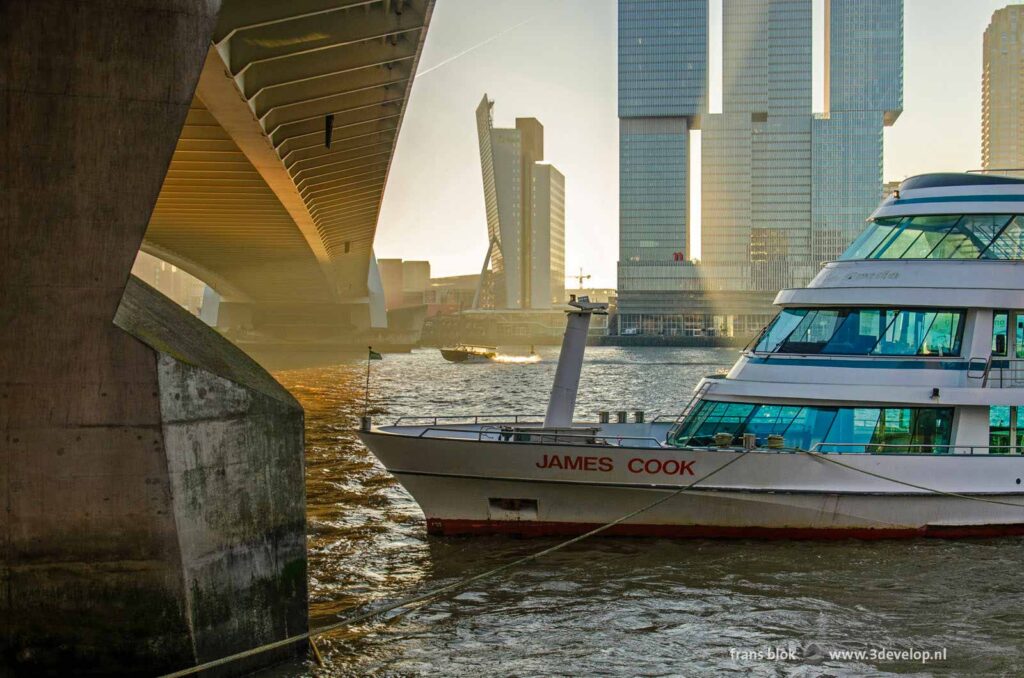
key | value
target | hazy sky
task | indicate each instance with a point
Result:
(555, 60)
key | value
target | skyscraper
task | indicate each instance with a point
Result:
(782, 189)
(864, 93)
(525, 204)
(1002, 103)
(663, 48)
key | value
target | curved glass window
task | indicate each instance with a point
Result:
(968, 236)
(864, 331)
(878, 430)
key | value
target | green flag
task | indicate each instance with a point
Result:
(375, 356)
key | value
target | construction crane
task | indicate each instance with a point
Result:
(580, 278)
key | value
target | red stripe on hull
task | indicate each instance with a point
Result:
(456, 527)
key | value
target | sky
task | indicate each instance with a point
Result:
(555, 60)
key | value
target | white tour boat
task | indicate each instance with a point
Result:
(886, 399)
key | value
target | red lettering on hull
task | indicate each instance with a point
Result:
(575, 463)
(671, 467)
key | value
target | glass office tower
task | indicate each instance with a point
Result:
(783, 189)
(662, 90)
(864, 93)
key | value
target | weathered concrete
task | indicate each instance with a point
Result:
(118, 548)
(232, 439)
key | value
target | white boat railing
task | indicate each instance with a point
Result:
(872, 449)
(415, 420)
(1003, 373)
(504, 432)
(948, 449)
(535, 436)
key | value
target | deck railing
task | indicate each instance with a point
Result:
(498, 433)
(415, 420)
(880, 448)
(1004, 373)
(534, 436)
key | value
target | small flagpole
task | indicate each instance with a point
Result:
(366, 397)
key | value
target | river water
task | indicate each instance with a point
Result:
(616, 606)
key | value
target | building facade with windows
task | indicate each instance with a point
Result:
(525, 205)
(663, 50)
(783, 188)
(1002, 103)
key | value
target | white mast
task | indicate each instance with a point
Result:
(570, 361)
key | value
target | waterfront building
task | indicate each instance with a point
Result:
(1002, 103)
(525, 203)
(783, 189)
(405, 283)
(663, 47)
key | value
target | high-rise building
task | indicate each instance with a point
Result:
(783, 189)
(525, 202)
(864, 93)
(1002, 103)
(663, 71)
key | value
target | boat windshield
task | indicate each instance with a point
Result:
(864, 331)
(967, 236)
(879, 430)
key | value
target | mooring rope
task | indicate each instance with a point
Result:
(434, 593)
(462, 583)
(972, 497)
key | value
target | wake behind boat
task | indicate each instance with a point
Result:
(884, 400)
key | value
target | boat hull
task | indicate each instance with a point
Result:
(486, 487)
(458, 356)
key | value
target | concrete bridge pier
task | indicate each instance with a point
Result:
(152, 510)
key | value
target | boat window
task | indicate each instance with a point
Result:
(890, 430)
(865, 244)
(999, 429)
(1010, 243)
(942, 338)
(1018, 336)
(864, 331)
(860, 332)
(919, 332)
(970, 236)
(717, 417)
(852, 429)
(769, 420)
(809, 427)
(1000, 320)
(813, 332)
(1002, 437)
(779, 328)
(916, 238)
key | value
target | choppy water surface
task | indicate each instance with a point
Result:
(613, 606)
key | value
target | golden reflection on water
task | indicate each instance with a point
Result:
(612, 606)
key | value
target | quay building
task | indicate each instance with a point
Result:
(783, 188)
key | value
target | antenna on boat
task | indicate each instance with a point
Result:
(562, 402)
(371, 355)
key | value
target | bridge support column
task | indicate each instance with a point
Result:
(151, 476)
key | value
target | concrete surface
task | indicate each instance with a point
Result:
(140, 531)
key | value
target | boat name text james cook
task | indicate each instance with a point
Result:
(649, 466)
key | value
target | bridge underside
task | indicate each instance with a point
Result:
(275, 186)
(151, 474)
